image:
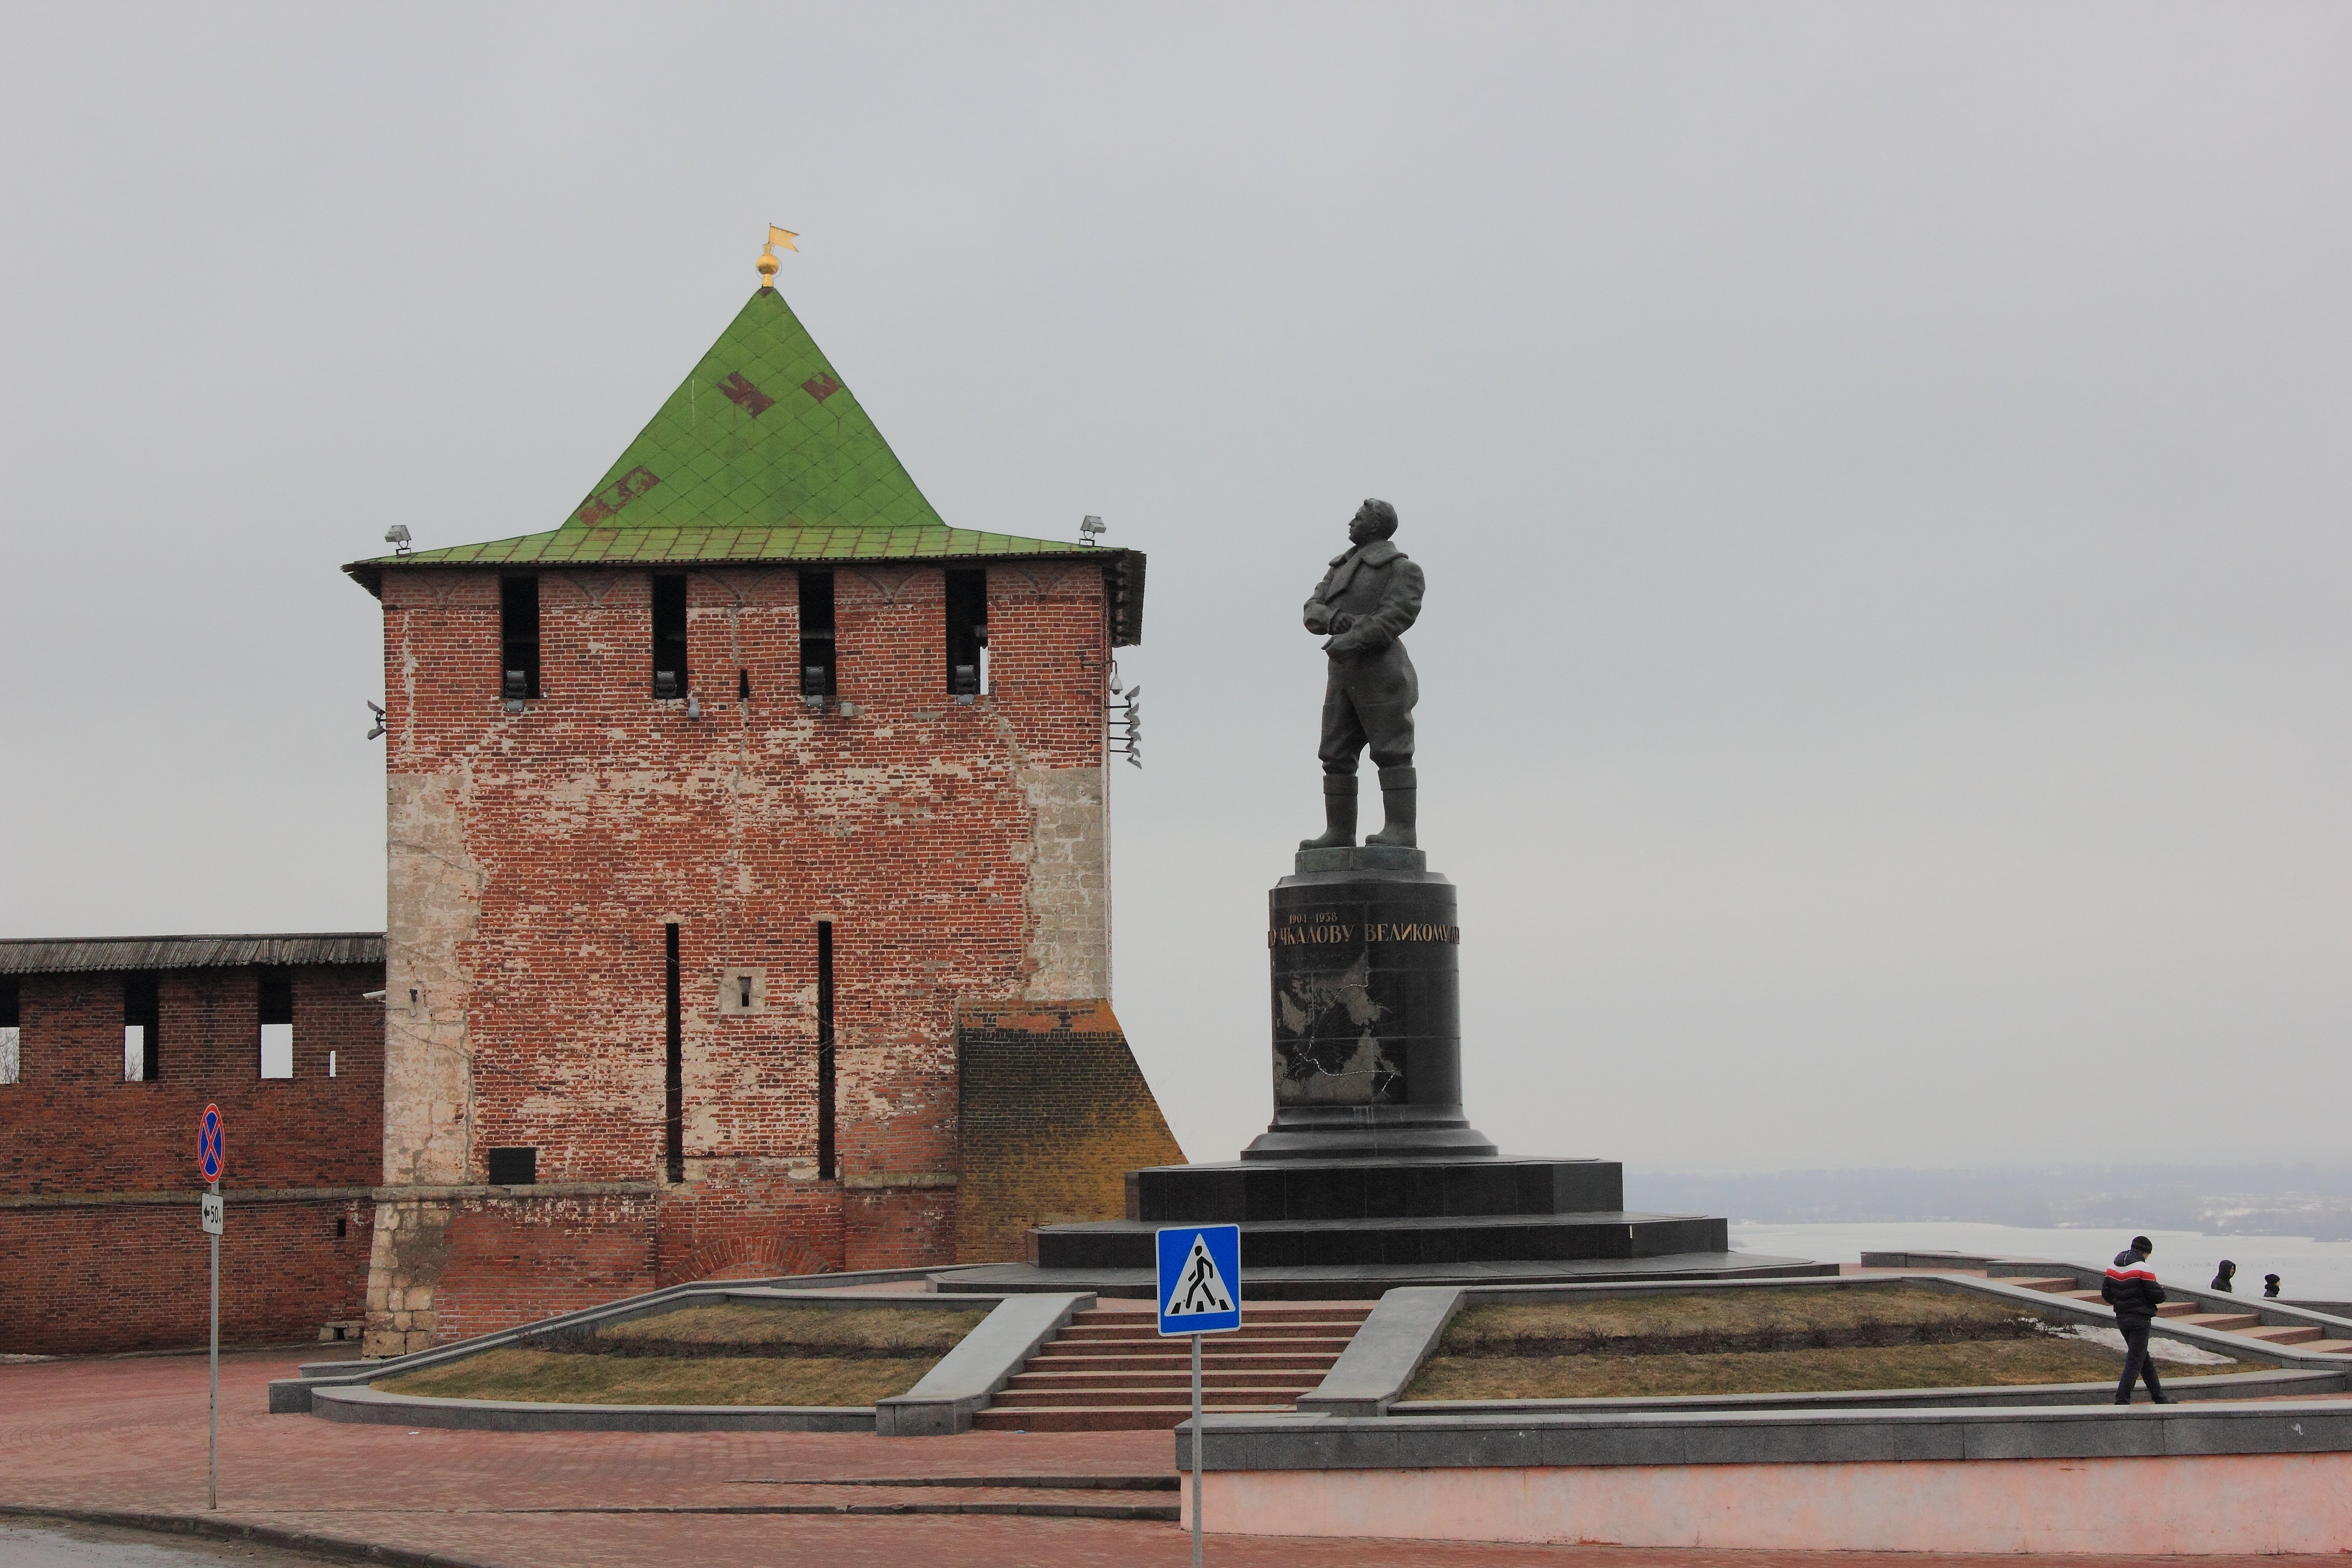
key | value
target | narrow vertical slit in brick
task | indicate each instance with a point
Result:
(674, 1071)
(744, 685)
(824, 1132)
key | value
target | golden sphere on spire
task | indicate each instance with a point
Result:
(767, 266)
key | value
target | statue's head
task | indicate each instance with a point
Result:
(1373, 520)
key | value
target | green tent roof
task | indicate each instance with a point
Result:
(762, 454)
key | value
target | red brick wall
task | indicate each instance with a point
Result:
(1054, 1113)
(748, 1220)
(130, 1276)
(85, 1279)
(599, 816)
(513, 1260)
(71, 1124)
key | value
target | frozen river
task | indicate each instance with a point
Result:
(2321, 1270)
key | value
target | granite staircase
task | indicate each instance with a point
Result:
(1110, 1371)
(2306, 1338)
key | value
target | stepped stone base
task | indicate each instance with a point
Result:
(1360, 1283)
(1348, 1228)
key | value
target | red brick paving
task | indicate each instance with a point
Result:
(129, 1436)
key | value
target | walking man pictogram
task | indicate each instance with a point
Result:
(1201, 1281)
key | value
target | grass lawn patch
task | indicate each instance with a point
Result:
(790, 1328)
(730, 1352)
(559, 1377)
(1764, 1341)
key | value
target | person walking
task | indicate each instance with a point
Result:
(2130, 1287)
(2270, 1287)
(2223, 1276)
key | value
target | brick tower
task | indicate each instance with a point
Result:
(710, 811)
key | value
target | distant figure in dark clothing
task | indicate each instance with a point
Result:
(2130, 1287)
(2222, 1277)
(2270, 1286)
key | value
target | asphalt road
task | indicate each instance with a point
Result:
(26, 1544)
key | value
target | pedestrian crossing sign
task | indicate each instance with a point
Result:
(1199, 1278)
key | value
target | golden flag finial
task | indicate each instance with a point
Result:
(767, 262)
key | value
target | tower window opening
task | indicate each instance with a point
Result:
(967, 607)
(277, 1024)
(11, 1034)
(818, 650)
(669, 635)
(518, 637)
(142, 1009)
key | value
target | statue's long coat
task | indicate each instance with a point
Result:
(1369, 596)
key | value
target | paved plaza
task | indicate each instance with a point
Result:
(125, 1436)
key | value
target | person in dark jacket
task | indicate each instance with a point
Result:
(2130, 1287)
(2223, 1276)
(2271, 1286)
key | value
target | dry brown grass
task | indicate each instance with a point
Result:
(729, 1353)
(1968, 1365)
(1720, 1321)
(1763, 1341)
(556, 1377)
(791, 1328)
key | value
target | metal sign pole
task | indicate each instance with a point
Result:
(1196, 1451)
(212, 1440)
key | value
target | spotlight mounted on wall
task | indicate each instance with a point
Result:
(1092, 527)
(377, 707)
(397, 537)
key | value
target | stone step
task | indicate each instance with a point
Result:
(1169, 1393)
(2055, 1287)
(1301, 1328)
(2092, 1298)
(1272, 1377)
(1105, 1418)
(2283, 1334)
(1417, 1241)
(1211, 1345)
(2228, 1323)
(1053, 1361)
(1215, 1346)
(1371, 1187)
(1251, 1311)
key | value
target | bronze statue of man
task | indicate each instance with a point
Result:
(1364, 604)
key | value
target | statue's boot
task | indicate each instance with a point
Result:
(1400, 789)
(1339, 814)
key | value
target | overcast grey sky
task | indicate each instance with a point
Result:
(1882, 472)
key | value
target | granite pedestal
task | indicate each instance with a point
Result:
(1370, 1174)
